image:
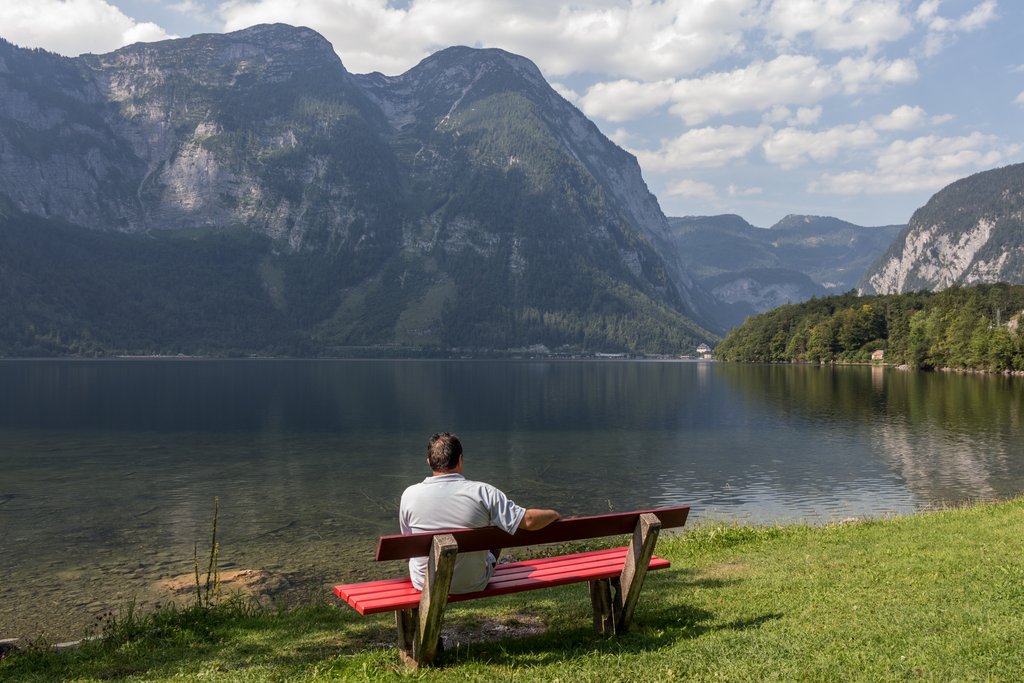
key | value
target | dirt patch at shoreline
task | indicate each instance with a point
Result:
(257, 583)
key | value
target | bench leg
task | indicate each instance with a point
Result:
(408, 622)
(605, 612)
(638, 560)
(434, 598)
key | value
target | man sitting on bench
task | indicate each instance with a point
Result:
(447, 500)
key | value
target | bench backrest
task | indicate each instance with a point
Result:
(403, 547)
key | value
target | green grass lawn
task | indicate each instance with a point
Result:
(936, 596)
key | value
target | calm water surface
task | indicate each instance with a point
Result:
(108, 470)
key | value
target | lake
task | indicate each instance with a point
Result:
(109, 469)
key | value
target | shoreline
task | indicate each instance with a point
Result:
(854, 600)
(267, 587)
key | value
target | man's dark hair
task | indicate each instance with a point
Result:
(444, 451)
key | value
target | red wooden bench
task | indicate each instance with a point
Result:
(615, 575)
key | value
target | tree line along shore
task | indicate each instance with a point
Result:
(960, 328)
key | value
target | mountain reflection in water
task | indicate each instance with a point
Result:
(110, 468)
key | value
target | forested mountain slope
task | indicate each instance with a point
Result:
(461, 205)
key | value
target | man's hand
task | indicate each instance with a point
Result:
(538, 519)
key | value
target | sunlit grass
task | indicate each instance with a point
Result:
(936, 596)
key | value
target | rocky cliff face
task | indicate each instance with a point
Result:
(262, 128)
(463, 201)
(761, 289)
(59, 154)
(211, 131)
(970, 232)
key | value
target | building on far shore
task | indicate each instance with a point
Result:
(878, 356)
(704, 351)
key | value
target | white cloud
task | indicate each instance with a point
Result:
(72, 27)
(926, 163)
(777, 114)
(840, 24)
(785, 80)
(866, 74)
(1019, 99)
(703, 148)
(771, 86)
(621, 137)
(901, 118)
(792, 147)
(976, 150)
(935, 42)
(195, 9)
(566, 92)
(805, 116)
(735, 191)
(869, 182)
(693, 189)
(145, 32)
(188, 7)
(642, 39)
(942, 31)
(624, 100)
(977, 18)
(927, 10)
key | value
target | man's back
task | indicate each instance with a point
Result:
(450, 501)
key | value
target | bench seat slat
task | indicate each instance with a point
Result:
(517, 575)
(396, 594)
(504, 572)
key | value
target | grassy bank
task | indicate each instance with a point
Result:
(936, 596)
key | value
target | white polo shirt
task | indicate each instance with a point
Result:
(450, 501)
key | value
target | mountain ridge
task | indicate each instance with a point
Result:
(752, 269)
(463, 204)
(971, 231)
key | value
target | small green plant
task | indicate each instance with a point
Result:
(208, 592)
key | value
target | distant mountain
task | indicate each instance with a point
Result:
(463, 204)
(971, 231)
(755, 269)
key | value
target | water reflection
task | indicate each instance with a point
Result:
(110, 468)
(947, 437)
(337, 395)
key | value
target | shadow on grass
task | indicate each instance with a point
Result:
(663, 618)
(650, 632)
(682, 579)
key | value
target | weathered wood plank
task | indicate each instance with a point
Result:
(408, 623)
(402, 547)
(604, 607)
(638, 558)
(433, 600)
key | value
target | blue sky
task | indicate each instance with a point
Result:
(859, 109)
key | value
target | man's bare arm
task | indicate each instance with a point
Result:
(538, 519)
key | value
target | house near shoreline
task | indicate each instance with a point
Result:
(878, 356)
(704, 351)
